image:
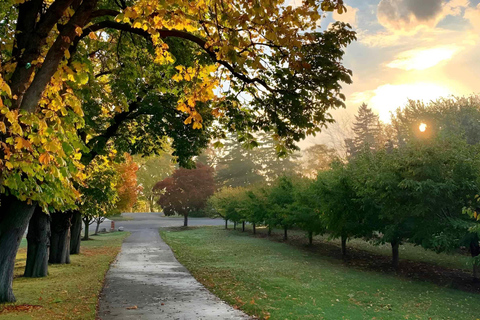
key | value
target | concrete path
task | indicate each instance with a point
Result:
(147, 282)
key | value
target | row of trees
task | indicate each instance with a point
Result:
(417, 187)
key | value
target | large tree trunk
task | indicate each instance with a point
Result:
(76, 232)
(285, 234)
(344, 246)
(14, 217)
(475, 251)
(395, 244)
(86, 232)
(254, 230)
(185, 220)
(60, 239)
(243, 226)
(234, 225)
(226, 223)
(310, 238)
(38, 238)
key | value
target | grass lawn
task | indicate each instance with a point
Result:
(70, 291)
(277, 280)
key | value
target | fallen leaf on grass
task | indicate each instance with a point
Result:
(132, 308)
(22, 307)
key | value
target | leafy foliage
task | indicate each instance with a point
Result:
(186, 190)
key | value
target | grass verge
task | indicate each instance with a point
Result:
(276, 280)
(70, 291)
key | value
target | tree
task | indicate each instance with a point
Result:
(317, 158)
(150, 171)
(237, 166)
(43, 71)
(229, 203)
(186, 190)
(420, 190)
(343, 213)
(127, 188)
(280, 197)
(367, 131)
(306, 209)
(100, 193)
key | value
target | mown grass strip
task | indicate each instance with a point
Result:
(276, 280)
(70, 291)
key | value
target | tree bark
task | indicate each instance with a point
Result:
(38, 238)
(234, 225)
(185, 220)
(395, 244)
(86, 232)
(310, 238)
(14, 218)
(76, 232)
(98, 226)
(60, 239)
(475, 251)
(243, 226)
(285, 234)
(254, 230)
(226, 223)
(344, 246)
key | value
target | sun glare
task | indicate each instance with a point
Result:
(421, 59)
(422, 127)
(388, 98)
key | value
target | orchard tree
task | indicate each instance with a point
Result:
(421, 190)
(280, 199)
(229, 203)
(41, 74)
(343, 213)
(187, 190)
(306, 208)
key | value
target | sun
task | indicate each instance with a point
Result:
(422, 127)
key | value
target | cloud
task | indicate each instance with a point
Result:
(350, 16)
(473, 16)
(421, 59)
(408, 16)
(387, 98)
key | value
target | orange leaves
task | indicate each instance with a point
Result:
(21, 143)
(78, 31)
(44, 158)
(92, 36)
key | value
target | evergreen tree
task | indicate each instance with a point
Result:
(367, 131)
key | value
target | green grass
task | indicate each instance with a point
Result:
(70, 291)
(277, 280)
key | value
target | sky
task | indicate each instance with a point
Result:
(409, 49)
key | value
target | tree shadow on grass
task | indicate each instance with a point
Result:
(367, 261)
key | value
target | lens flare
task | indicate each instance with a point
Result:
(422, 127)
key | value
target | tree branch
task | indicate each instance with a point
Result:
(177, 34)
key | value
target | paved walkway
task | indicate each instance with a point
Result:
(147, 277)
